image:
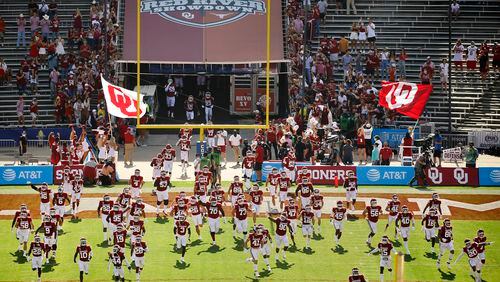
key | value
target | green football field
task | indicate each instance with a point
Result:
(203, 262)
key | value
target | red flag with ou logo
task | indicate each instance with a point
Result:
(406, 98)
(122, 102)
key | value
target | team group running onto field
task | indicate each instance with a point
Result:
(290, 208)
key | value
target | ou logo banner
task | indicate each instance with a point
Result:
(401, 94)
(435, 175)
(461, 176)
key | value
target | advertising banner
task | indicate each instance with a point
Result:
(452, 155)
(261, 98)
(489, 176)
(75, 169)
(16, 175)
(453, 176)
(384, 175)
(484, 139)
(200, 31)
(243, 100)
(325, 174)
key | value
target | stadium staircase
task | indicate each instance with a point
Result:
(422, 28)
(10, 10)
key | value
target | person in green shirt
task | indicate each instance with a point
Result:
(214, 157)
(471, 155)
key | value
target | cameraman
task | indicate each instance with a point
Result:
(438, 149)
(420, 165)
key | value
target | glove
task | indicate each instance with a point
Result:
(224, 219)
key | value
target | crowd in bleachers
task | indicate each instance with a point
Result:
(75, 54)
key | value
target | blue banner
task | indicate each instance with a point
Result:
(489, 176)
(201, 147)
(384, 175)
(32, 133)
(15, 175)
(393, 136)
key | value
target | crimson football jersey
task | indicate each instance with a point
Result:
(292, 212)
(472, 251)
(241, 211)
(136, 181)
(256, 197)
(181, 227)
(445, 234)
(119, 238)
(84, 253)
(248, 162)
(393, 207)
(281, 226)
(373, 213)
(339, 213)
(405, 219)
(306, 217)
(235, 188)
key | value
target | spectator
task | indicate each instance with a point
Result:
(2, 30)
(429, 67)
(484, 61)
(471, 155)
(471, 58)
(386, 154)
(425, 78)
(33, 78)
(77, 111)
(105, 177)
(458, 51)
(350, 4)
(354, 36)
(300, 148)
(361, 146)
(21, 31)
(378, 143)
(235, 143)
(496, 57)
(384, 58)
(443, 73)
(343, 46)
(43, 8)
(298, 25)
(346, 62)
(52, 9)
(402, 64)
(60, 46)
(322, 6)
(77, 21)
(45, 26)
(362, 35)
(271, 138)
(338, 6)
(20, 110)
(54, 27)
(259, 160)
(5, 74)
(32, 7)
(23, 144)
(129, 139)
(34, 23)
(21, 82)
(455, 10)
(407, 144)
(34, 111)
(367, 133)
(392, 73)
(53, 80)
(438, 149)
(372, 36)
(347, 150)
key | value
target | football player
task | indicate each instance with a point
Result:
(317, 205)
(55, 218)
(76, 194)
(256, 197)
(37, 249)
(49, 235)
(162, 186)
(138, 208)
(84, 254)
(384, 247)
(351, 189)
(283, 183)
(303, 173)
(214, 213)
(429, 224)
(136, 181)
(434, 203)
(105, 206)
(472, 252)
(157, 164)
(136, 227)
(272, 184)
(307, 216)
(120, 237)
(247, 166)
(116, 257)
(403, 221)
(235, 189)
(59, 203)
(114, 218)
(288, 164)
(137, 251)
(292, 213)
(281, 239)
(68, 176)
(124, 200)
(22, 208)
(480, 240)
(240, 214)
(255, 240)
(181, 227)
(304, 189)
(372, 214)
(393, 207)
(337, 217)
(24, 226)
(184, 145)
(218, 193)
(45, 196)
(168, 158)
(356, 276)
(195, 209)
(445, 236)
(202, 182)
(265, 245)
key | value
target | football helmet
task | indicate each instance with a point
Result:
(37, 238)
(78, 177)
(182, 217)
(283, 216)
(316, 191)
(291, 201)
(394, 197)
(119, 228)
(255, 187)
(182, 195)
(241, 200)
(236, 178)
(126, 190)
(106, 198)
(213, 201)
(308, 208)
(116, 249)
(139, 200)
(467, 242)
(435, 196)
(116, 207)
(404, 209)
(480, 233)
(60, 189)
(181, 204)
(46, 218)
(447, 222)
(23, 207)
(340, 204)
(137, 172)
(83, 242)
(159, 156)
(373, 202)
(355, 271)
(385, 239)
(432, 212)
(138, 239)
(52, 211)
(136, 218)
(168, 146)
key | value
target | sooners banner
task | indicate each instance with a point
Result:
(121, 102)
(406, 98)
(437, 176)
(203, 31)
(243, 100)
(325, 174)
(59, 171)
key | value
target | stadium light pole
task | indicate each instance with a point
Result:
(449, 68)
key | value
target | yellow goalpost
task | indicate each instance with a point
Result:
(205, 126)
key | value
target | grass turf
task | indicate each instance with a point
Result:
(228, 263)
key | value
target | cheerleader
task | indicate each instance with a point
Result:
(354, 35)
(362, 35)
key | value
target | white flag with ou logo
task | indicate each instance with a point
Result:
(121, 102)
